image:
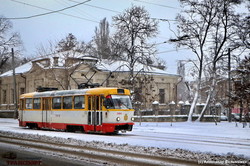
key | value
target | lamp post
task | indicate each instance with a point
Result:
(14, 86)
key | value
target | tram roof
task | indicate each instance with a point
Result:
(92, 91)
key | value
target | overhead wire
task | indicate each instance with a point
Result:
(166, 6)
(51, 11)
(171, 50)
(83, 3)
(167, 20)
(163, 19)
(94, 6)
(77, 9)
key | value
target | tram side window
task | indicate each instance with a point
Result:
(108, 103)
(67, 102)
(21, 105)
(28, 103)
(79, 102)
(89, 103)
(37, 103)
(56, 103)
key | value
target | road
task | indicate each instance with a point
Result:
(78, 155)
(207, 142)
(214, 140)
(14, 154)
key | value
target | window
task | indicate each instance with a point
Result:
(56, 103)
(37, 103)
(21, 105)
(67, 102)
(118, 102)
(121, 102)
(89, 103)
(4, 96)
(162, 95)
(28, 103)
(89, 118)
(22, 90)
(46, 104)
(12, 96)
(79, 102)
(97, 103)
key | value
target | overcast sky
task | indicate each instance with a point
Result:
(82, 20)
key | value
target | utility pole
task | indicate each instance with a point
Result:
(229, 87)
(14, 85)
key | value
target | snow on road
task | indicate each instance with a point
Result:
(224, 138)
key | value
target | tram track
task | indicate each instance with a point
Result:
(203, 137)
(201, 140)
(97, 154)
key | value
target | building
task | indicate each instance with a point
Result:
(233, 98)
(72, 70)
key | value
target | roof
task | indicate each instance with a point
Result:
(122, 66)
(103, 65)
(103, 91)
(19, 70)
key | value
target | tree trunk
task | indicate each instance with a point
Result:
(192, 108)
(241, 109)
(191, 111)
(210, 93)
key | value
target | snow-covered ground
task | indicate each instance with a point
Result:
(224, 138)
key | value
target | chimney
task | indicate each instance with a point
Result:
(55, 63)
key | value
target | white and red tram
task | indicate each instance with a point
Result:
(101, 110)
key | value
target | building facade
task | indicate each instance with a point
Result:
(70, 72)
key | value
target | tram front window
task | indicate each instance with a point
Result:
(118, 102)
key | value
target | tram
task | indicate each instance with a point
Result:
(98, 110)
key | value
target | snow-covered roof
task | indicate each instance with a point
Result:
(19, 70)
(122, 66)
(51, 57)
(103, 65)
(58, 60)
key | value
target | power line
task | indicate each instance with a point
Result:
(77, 10)
(102, 8)
(171, 51)
(51, 11)
(163, 19)
(166, 6)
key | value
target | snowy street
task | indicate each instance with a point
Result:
(223, 139)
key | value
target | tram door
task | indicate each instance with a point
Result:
(46, 112)
(95, 112)
(21, 107)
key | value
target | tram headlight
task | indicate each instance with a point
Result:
(132, 119)
(118, 119)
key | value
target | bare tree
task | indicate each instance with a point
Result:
(133, 29)
(8, 40)
(206, 27)
(66, 56)
(241, 92)
(102, 40)
(70, 43)
(243, 29)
